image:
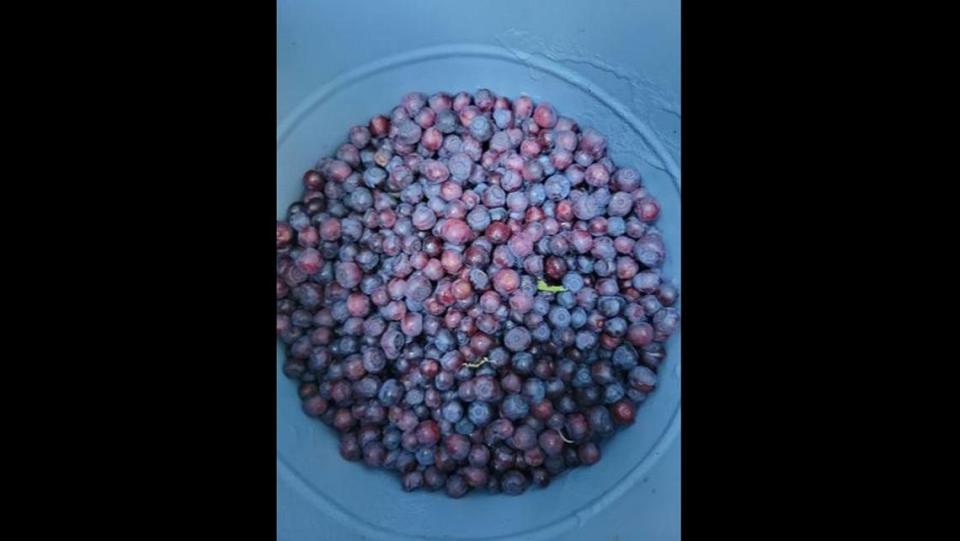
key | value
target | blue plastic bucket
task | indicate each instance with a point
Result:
(614, 67)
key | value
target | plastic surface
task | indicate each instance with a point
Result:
(614, 67)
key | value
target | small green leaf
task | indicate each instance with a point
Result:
(543, 286)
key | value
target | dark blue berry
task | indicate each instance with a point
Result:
(582, 377)
(665, 321)
(586, 340)
(414, 397)
(600, 420)
(425, 456)
(541, 333)
(613, 392)
(479, 413)
(534, 390)
(412, 481)
(514, 407)
(615, 327)
(513, 483)
(610, 306)
(524, 438)
(456, 486)
(559, 316)
(537, 194)
(625, 357)
(465, 427)
(452, 411)
(522, 362)
(573, 282)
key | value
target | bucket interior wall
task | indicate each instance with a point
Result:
(613, 66)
